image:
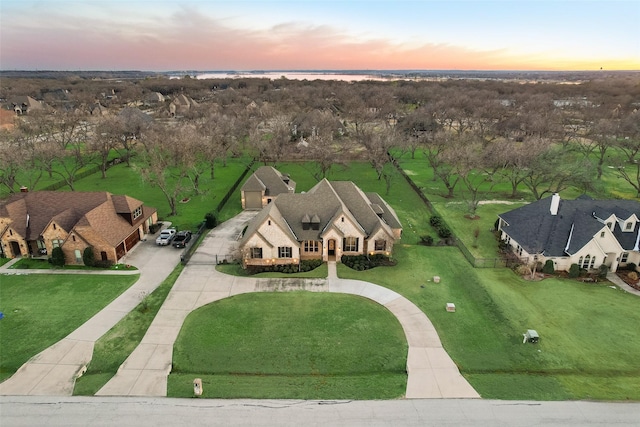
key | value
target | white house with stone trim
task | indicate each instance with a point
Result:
(583, 231)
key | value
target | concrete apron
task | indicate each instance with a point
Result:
(431, 372)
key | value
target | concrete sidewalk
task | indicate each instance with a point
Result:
(431, 372)
(54, 370)
(613, 278)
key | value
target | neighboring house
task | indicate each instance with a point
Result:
(153, 98)
(263, 186)
(33, 223)
(181, 104)
(332, 219)
(25, 104)
(584, 231)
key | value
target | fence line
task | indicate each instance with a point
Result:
(475, 262)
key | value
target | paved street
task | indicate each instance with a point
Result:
(136, 412)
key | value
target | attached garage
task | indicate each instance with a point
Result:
(253, 199)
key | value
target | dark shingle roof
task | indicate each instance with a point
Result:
(537, 231)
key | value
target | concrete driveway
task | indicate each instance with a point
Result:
(431, 372)
(54, 370)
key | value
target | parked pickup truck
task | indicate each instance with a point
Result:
(166, 236)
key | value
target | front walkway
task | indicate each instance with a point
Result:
(54, 370)
(613, 278)
(431, 372)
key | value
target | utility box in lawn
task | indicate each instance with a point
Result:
(531, 336)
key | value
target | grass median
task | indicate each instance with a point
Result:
(113, 348)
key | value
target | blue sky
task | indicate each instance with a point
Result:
(312, 34)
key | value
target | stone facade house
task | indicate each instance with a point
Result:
(332, 219)
(33, 223)
(583, 231)
(263, 186)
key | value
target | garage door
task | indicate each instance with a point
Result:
(253, 200)
(132, 240)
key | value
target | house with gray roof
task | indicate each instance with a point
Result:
(583, 231)
(332, 219)
(263, 186)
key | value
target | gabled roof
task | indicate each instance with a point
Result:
(537, 231)
(99, 210)
(324, 204)
(270, 180)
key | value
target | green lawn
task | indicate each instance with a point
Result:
(297, 345)
(40, 310)
(588, 340)
(125, 180)
(113, 348)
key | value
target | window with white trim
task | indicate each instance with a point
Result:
(380, 245)
(255, 253)
(137, 212)
(628, 226)
(350, 244)
(311, 246)
(56, 243)
(624, 257)
(284, 252)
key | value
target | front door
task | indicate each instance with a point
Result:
(15, 248)
(331, 249)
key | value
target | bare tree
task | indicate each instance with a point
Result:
(160, 162)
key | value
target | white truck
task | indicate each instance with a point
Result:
(166, 236)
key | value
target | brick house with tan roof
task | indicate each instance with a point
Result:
(33, 223)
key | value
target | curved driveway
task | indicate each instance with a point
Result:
(431, 372)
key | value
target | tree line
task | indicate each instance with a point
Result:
(542, 137)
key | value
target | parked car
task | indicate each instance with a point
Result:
(166, 236)
(181, 239)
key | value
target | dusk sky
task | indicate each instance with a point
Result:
(240, 35)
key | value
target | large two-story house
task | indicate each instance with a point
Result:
(33, 223)
(332, 219)
(583, 231)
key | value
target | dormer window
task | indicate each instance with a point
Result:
(137, 212)
(628, 226)
(610, 226)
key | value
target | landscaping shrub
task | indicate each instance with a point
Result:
(548, 267)
(631, 266)
(435, 221)
(364, 262)
(444, 231)
(602, 271)
(210, 220)
(88, 258)
(57, 257)
(305, 265)
(574, 271)
(103, 263)
(426, 240)
(633, 275)
(153, 228)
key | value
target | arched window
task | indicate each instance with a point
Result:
(586, 262)
(593, 261)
